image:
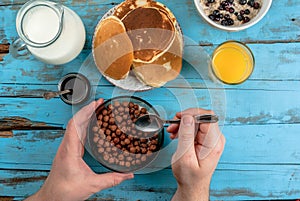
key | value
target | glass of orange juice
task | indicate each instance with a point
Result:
(232, 62)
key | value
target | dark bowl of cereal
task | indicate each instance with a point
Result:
(113, 139)
(232, 15)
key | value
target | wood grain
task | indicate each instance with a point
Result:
(280, 68)
(252, 175)
(194, 28)
(161, 185)
(19, 123)
(267, 110)
(261, 116)
(4, 49)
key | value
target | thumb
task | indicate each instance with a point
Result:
(186, 134)
(109, 180)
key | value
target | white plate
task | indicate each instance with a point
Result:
(131, 82)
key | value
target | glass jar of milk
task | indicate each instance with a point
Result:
(51, 32)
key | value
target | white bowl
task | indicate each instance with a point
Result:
(266, 4)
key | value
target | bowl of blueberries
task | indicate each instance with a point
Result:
(232, 15)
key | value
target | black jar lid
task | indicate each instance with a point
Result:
(79, 85)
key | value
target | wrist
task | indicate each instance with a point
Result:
(44, 194)
(37, 196)
(192, 192)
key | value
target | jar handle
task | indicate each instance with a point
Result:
(18, 49)
(60, 10)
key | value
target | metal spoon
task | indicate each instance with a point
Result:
(153, 123)
(51, 94)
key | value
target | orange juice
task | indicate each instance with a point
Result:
(232, 62)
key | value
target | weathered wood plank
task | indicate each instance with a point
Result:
(283, 180)
(42, 146)
(278, 24)
(8, 198)
(281, 142)
(19, 123)
(3, 50)
(281, 67)
(255, 107)
(6, 134)
(261, 157)
(37, 90)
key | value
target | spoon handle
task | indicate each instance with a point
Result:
(173, 121)
(206, 118)
(52, 94)
(203, 118)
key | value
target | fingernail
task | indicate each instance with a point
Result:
(188, 120)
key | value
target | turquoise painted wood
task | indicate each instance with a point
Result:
(253, 144)
(261, 160)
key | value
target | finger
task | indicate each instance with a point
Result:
(208, 141)
(173, 136)
(78, 124)
(83, 136)
(82, 116)
(109, 180)
(215, 153)
(76, 132)
(83, 133)
(79, 121)
(186, 135)
(173, 128)
(208, 135)
(206, 127)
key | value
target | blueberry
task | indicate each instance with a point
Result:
(224, 23)
(224, 3)
(242, 12)
(216, 12)
(230, 1)
(231, 10)
(240, 17)
(247, 12)
(226, 16)
(242, 2)
(220, 8)
(211, 16)
(236, 13)
(246, 19)
(221, 16)
(217, 19)
(251, 3)
(230, 21)
(256, 5)
(210, 1)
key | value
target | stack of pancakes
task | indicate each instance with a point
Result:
(140, 34)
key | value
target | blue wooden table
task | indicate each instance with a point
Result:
(261, 123)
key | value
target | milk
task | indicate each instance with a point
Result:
(41, 24)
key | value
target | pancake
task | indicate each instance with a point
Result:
(165, 68)
(149, 25)
(113, 50)
(128, 5)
